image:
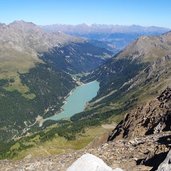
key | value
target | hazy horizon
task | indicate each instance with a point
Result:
(83, 23)
(123, 12)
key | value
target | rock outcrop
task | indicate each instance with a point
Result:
(148, 127)
(89, 162)
(166, 164)
(150, 118)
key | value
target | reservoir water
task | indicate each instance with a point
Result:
(77, 100)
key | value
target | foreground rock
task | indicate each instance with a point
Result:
(166, 164)
(89, 162)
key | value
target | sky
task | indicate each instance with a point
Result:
(121, 12)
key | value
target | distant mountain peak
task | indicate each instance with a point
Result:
(22, 22)
(104, 28)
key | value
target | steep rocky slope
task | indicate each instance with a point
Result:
(150, 118)
(148, 121)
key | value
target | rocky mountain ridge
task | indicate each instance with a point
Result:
(150, 118)
(27, 35)
(148, 48)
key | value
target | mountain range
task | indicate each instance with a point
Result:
(112, 37)
(102, 28)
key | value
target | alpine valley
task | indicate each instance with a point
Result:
(37, 71)
(128, 123)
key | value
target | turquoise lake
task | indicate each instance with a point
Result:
(77, 100)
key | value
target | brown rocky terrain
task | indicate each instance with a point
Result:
(138, 154)
(150, 118)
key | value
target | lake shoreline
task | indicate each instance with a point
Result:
(85, 91)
